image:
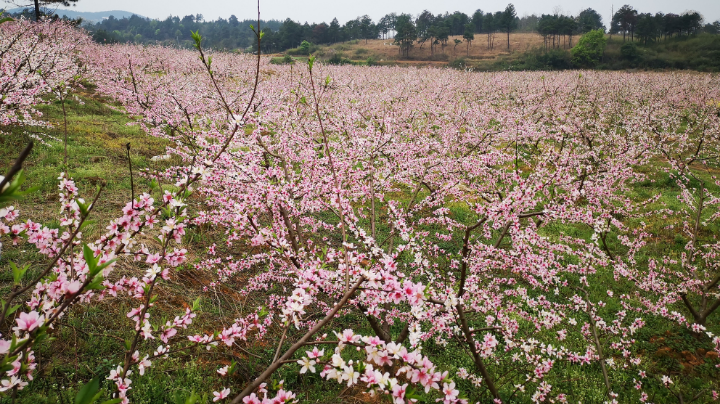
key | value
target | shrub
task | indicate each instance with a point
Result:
(285, 60)
(629, 52)
(338, 59)
(305, 47)
(458, 63)
(556, 59)
(589, 50)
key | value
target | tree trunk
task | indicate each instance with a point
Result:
(508, 39)
(37, 10)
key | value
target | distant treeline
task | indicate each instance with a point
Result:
(405, 29)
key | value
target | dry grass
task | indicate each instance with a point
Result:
(384, 50)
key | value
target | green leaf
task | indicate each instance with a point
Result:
(96, 283)
(411, 393)
(18, 273)
(83, 208)
(105, 265)
(196, 37)
(113, 401)
(311, 62)
(87, 222)
(196, 304)
(192, 399)
(11, 193)
(12, 310)
(89, 256)
(89, 392)
(6, 19)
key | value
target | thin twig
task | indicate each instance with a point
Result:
(300, 343)
(132, 186)
(17, 166)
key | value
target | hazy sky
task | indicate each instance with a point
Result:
(325, 10)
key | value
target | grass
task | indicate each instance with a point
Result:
(88, 344)
(97, 137)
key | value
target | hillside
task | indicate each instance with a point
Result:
(478, 49)
(383, 51)
(699, 52)
(88, 16)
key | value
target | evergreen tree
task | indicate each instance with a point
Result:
(406, 33)
(469, 35)
(477, 20)
(589, 20)
(508, 21)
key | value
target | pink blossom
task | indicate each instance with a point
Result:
(29, 321)
(221, 395)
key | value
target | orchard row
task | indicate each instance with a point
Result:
(520, 220)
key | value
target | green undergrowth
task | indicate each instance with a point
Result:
(97, 134)
(89, 342)
(699, 52)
